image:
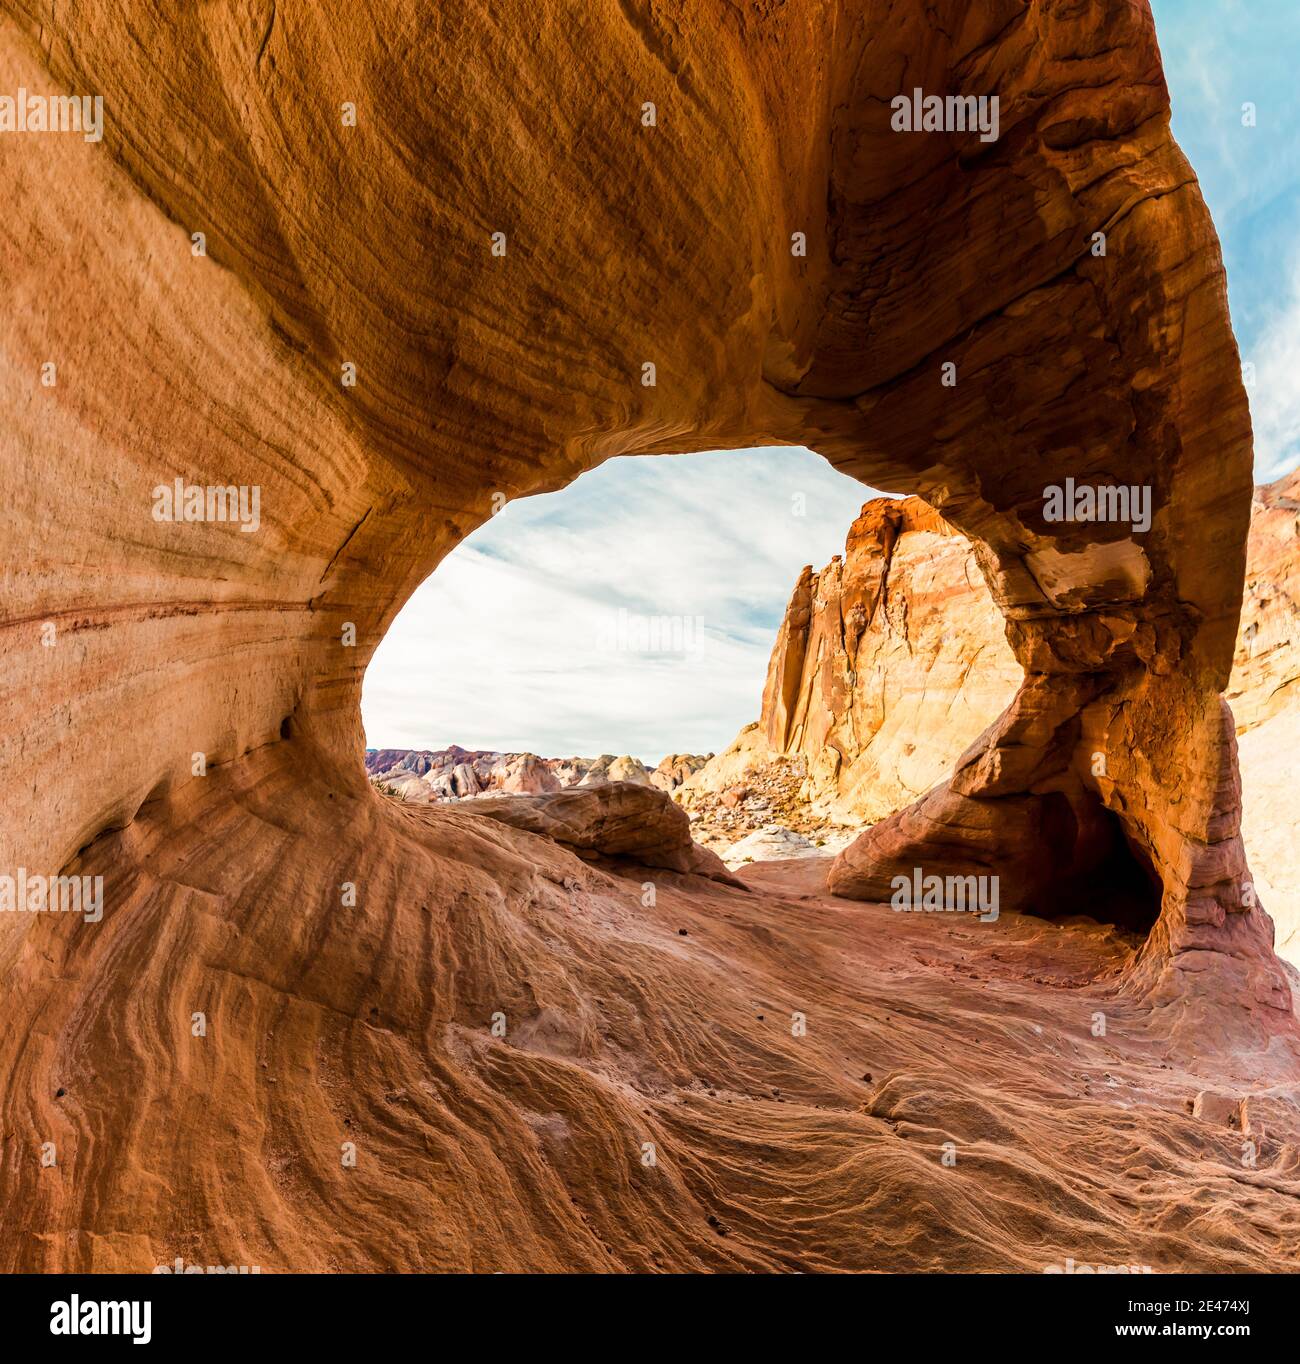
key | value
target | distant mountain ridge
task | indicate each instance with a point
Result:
(456, 773)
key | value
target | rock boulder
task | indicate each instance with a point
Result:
(625, 821)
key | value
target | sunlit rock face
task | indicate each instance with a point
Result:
(1265, 695)
(626, 822)
(996, 357)
(890, 661)
(457, 773)
(390, 264)
(675, 768)
(1265, 680)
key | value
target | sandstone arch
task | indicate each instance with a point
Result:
(330, 245)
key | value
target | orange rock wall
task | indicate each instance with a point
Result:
(190, 730)
(890, 661)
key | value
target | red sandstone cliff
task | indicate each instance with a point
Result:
(889, 663)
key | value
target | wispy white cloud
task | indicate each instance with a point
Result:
(516, 642)
(1275, 393)
(1220, 55)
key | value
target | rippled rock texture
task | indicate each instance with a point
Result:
(389, 265)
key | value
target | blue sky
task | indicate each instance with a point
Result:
(517, 642)
(1219, 55)
(534, 632)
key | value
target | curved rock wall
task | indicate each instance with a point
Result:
(386, 323)
(336, 252)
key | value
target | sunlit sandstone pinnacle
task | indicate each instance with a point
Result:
(387, 324)
(1264, 692)
(889, 662)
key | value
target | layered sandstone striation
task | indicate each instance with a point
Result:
(335, 255)
(498, 1026)
(998, 354)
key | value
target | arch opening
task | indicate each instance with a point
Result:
(588, 635)
(630, 613)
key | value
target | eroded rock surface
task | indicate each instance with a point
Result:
(1264, 692)
(1265, 678)
(889, 662)
(456, 773)
(625, 1022)
(676, 768)
(892, 659)
(616, 819)
(392, 323)
(896, 648)
(996, 356)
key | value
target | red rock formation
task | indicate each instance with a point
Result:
(889, 662)
(676, 768)
(609, 769)
(385, 324)
(869, 684)
(1265, 678)
(1264, 692)
(526, 774)
(627, 1020)
(622, 820)
(456, 773)
(842, 348)
(824, 706)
